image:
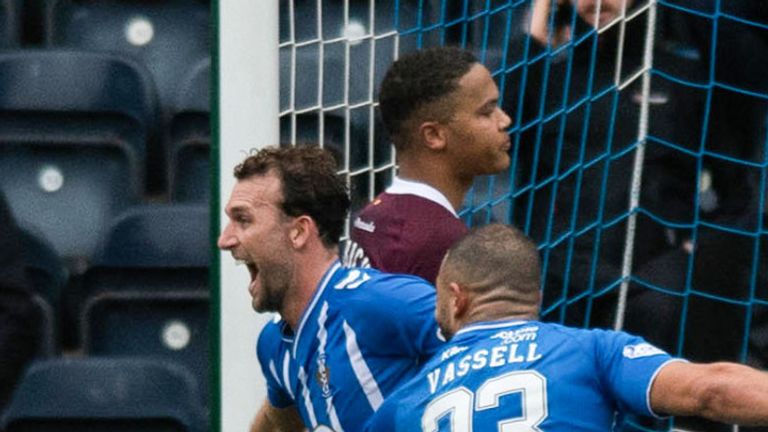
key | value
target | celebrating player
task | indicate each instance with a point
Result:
(345, 337)
(440, 107)
(504, 370)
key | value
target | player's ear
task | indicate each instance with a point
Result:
(302, 229)
(460, 299)
(432, 134)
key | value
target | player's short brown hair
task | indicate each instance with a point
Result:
(310, 185)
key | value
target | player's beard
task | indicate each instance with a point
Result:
(274, 281)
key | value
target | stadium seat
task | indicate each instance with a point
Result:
(190, 137)
(10, 23)
(169, 37)
(73, 127)
(48, 275)
(147, 292)
(105, 395)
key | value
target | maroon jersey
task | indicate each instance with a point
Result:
(406, 229)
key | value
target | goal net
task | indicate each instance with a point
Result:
(638, 156)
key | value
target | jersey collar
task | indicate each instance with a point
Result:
(315, 298)
(489, 325)
(401, 186)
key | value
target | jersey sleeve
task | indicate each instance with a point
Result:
(268, 352)
(627, 366)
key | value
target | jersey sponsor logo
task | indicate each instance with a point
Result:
(452, 351)
(641, 350)
(323, 376)
(525, 334)
(363, 225)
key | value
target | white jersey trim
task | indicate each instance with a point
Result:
(307, 398)
(273, 370)
(487, 325)
(318, 293)
(362, 371)
(401, 186)
(650, 384)
(286, 379)
(322, 337)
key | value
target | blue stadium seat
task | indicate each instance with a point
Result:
(73, 127)
(170, 37)
(190, 137)
(105, 395)
(147, 292)
(10, 23)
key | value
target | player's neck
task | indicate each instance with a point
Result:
(309, 273)
(492, 314)
(437, 176)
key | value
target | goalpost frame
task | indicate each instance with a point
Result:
(245, 116)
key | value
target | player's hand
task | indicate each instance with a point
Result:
(540, 18)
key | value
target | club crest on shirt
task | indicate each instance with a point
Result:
(515, 336)
(641, 350)
(323, 376)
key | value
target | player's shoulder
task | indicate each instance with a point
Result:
(606, 342)
(576, 333)
(367, 290)
(274, 336)
(367, 283)
(408, 207)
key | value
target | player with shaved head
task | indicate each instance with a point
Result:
(504, 370)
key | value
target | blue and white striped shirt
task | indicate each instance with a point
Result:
(363, 334)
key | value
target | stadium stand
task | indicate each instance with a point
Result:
(190, 137)
(146, 293)
(169, 37)
(89, 92)
(10, 23)
(73, 127)
(105, 395)
(48, 275)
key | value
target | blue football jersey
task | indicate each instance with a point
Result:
(363, 334)
(526, 376)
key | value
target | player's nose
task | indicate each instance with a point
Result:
(227, 239)
(504, 120)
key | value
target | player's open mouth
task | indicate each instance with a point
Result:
(253, 269)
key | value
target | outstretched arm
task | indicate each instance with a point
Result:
(726, 392)
(272, 419)
(540, 24)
